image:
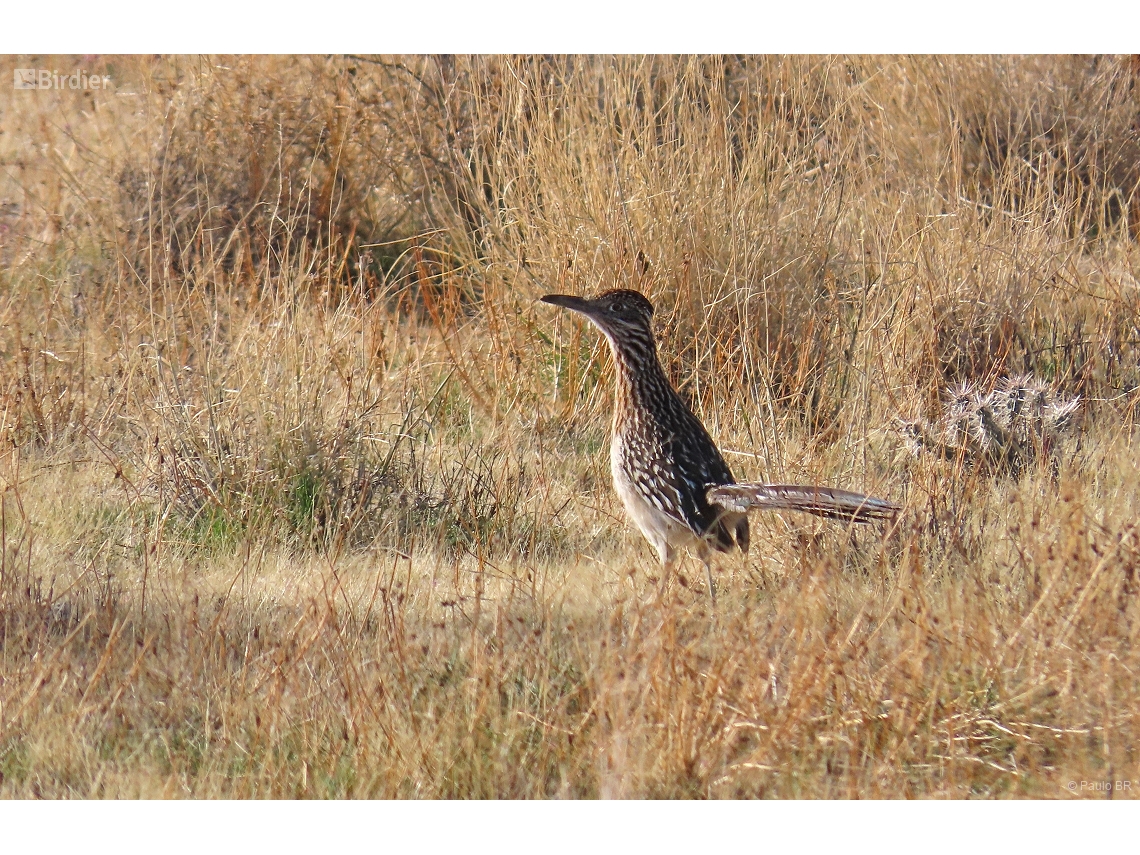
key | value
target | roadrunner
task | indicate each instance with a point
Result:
(670, 475)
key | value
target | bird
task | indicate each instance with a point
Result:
(669, 474)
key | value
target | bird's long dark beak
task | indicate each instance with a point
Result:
(568, 301)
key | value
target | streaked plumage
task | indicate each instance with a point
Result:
(821, 501)
(672, 479)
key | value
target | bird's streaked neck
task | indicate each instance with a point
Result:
(640, 380)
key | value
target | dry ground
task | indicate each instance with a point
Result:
(304, 495)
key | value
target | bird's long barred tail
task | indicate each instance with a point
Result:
(821, 501)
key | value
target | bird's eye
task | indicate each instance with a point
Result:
(617, 308)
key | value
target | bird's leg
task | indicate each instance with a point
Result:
(708, 575)
(705, 559)
(668, 559)
(666, 572)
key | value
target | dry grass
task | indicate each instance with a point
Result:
(303, 495)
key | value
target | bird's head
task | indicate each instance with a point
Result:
(624, 316)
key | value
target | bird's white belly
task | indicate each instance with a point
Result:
(660, 529)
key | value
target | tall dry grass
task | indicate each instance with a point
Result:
(303, 495)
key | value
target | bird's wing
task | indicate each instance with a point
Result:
(674, 472)
(821, 501)
(698, 464)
